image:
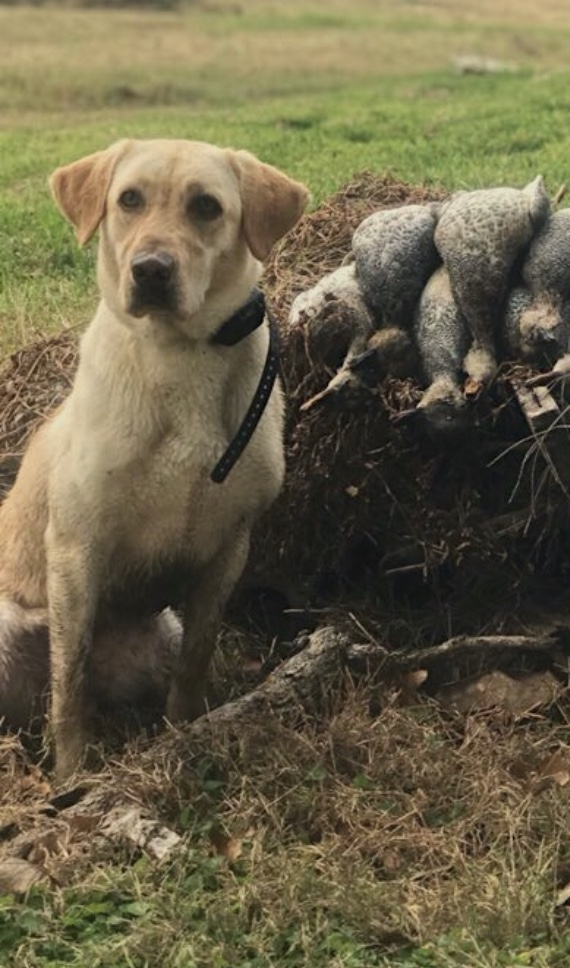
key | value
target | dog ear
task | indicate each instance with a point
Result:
(80, 189)
(272, 202)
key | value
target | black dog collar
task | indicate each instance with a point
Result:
(248, 318)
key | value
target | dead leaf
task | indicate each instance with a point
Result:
(391, 861)
(36, 782)
(17, 875)
(522, 769)
(516, 697)
(351, 490)
(408, 684)
(52, 842)
(83, 823)
(229, 847)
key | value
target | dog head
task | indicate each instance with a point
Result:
(183, 225)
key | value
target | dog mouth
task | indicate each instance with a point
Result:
(143, 300)
(153, 284)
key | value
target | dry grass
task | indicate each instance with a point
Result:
(60, 59)
(515, 12)
(398, 821)
(410, 819)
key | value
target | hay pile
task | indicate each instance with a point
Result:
(379, 518)
(373, 518)
(33, 382)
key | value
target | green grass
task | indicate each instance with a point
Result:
(322, 91)
(179, 918)
(392, 841)
(457, 131)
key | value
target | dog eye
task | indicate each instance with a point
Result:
(131, 198)
(205, 207)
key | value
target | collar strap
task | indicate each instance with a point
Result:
(244, 322)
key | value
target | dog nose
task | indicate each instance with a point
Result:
(152, 269)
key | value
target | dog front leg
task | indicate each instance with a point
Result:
(202, 619)
(71, 584)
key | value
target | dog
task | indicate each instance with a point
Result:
(115, 515)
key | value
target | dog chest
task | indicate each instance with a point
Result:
(162, 546)
(145, 589)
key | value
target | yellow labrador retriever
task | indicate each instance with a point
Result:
(116, 512)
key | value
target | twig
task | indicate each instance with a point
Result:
(460, 646)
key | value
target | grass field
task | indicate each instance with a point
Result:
(323, 90)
